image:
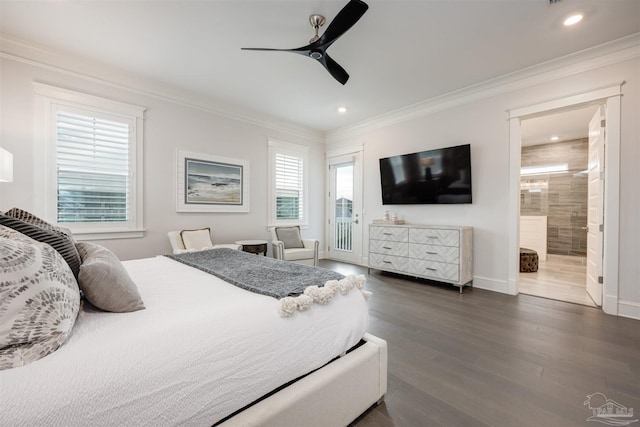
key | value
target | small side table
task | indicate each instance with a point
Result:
(254, 246)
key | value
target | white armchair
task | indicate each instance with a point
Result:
(287, 245)
(195, 240)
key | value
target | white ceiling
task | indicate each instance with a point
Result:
(566, 125)
(400, 53)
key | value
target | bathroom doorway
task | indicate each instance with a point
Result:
(554, 204)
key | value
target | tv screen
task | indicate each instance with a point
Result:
(427, 177)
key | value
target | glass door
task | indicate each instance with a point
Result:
(345, 224)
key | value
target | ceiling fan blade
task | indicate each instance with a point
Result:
(265, 48)
(345, 19)
(334, 69)
(301, 50)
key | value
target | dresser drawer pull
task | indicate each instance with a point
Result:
(386, 247)
(387, 262)
(387, 234)
(432, 253)
(429, 268)
(432, 237)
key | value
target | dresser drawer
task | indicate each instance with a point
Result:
(435, 270)
(434, 236)
(450, 254)
(388, 262)
(389, 247)
(396, 234)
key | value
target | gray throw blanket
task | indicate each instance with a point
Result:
(259, 274)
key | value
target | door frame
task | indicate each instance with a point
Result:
(609, 96)
(358, 169)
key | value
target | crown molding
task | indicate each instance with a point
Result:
(592, 58)
(578, 62)
(61, 62)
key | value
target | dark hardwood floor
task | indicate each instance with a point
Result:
(485, 358)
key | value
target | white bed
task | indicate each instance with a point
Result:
(200, 351)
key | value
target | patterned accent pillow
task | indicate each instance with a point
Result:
(25, 216)
(39, 299)
(290, 236)
(58, 237)
(105, 282)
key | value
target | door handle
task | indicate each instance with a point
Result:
(585, 228)
(356, 221)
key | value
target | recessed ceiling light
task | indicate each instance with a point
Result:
(573, 19)
(342, 109)
(555, 138)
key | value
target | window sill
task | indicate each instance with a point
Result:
(302, 226)
(82, 235)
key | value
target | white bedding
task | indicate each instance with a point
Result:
(200, 350)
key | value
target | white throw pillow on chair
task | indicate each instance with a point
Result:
(196, 239)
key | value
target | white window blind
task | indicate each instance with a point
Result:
(93, 168)
(288, 184)
(289, 178)
(90, 152)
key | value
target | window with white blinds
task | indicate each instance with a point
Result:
(93, 168)
(288, 198)
(91, 179)
(289, 173)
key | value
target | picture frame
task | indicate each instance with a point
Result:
(207, 183)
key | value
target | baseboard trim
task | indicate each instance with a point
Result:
(610, 305)
(629, 309)
(488, 284)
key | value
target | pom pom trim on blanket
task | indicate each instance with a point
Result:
(322, 295)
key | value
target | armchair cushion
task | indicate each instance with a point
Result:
(196, 239)
(299, 254)
(228, 246)
(290, 236)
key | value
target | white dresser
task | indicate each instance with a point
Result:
(441, 253)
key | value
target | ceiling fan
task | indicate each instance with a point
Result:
(318, 45)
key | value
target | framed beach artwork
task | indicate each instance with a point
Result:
(208, 183)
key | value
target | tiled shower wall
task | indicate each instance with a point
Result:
(562, 197)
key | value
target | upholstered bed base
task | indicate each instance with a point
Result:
(334, 395)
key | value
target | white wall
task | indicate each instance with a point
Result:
(168, 126)
(482, 122)
(475, 117)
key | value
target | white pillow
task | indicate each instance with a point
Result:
(196, 239)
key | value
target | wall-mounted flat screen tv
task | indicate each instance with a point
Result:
(428, 177)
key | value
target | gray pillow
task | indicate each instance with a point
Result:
(105, 282)
(39, 299)
(58, 237)
(290, 236)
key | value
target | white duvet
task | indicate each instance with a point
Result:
(201, 350)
